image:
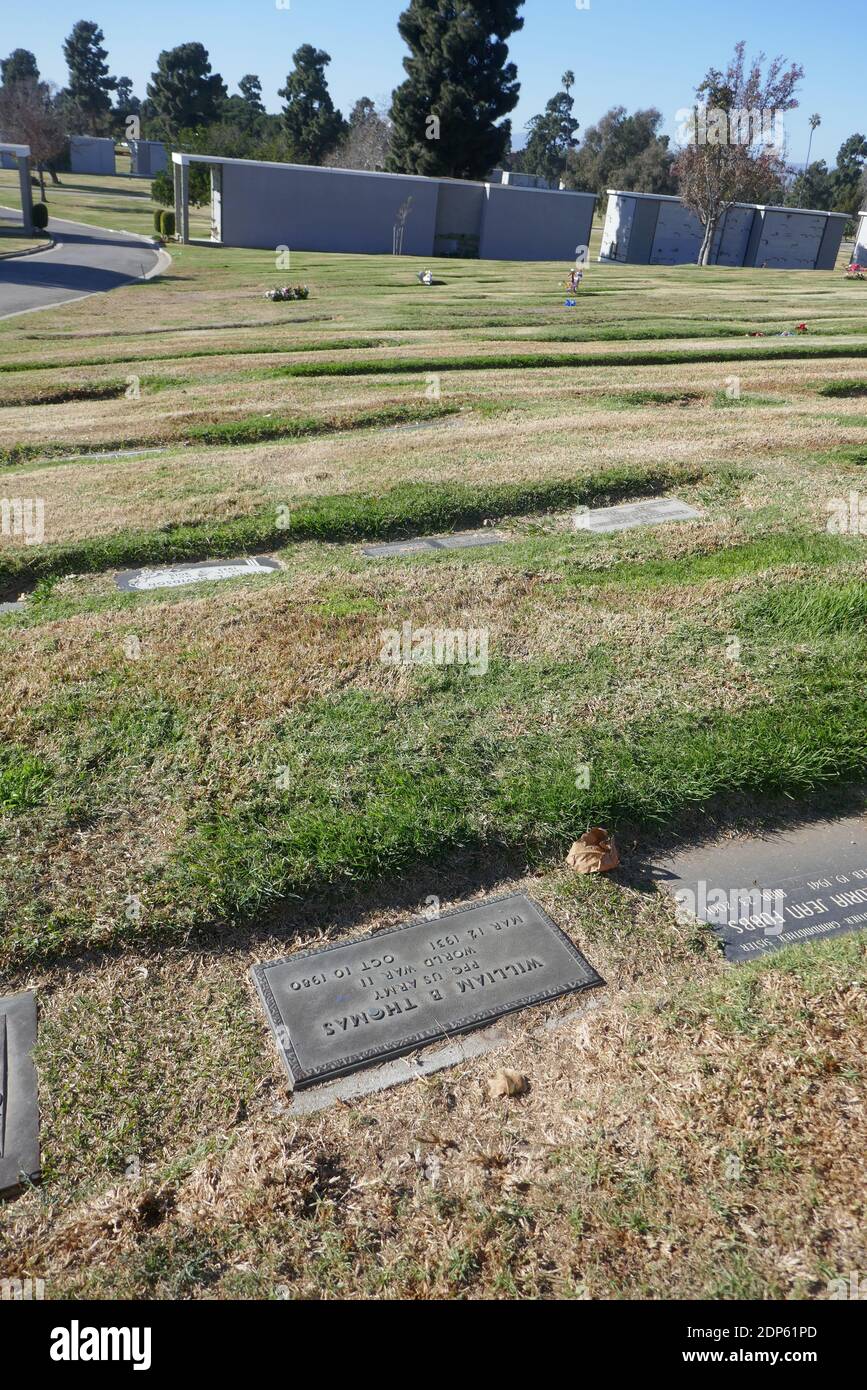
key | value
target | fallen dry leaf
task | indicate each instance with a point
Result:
(507, 1083)
(594, 853)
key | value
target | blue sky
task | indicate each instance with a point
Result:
(623, 52)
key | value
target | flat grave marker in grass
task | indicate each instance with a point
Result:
(341, 1008)
(19, 1106)
(761, 894)
(117, 454)
(461, 540)
(178, 576)
(653, 512)
(16, 607)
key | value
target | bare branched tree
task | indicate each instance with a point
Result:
(367, 140)
(29, 116)
(734, 149)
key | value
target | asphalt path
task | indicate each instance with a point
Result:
(85, 260)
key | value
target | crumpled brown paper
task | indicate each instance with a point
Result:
(594, 853)
(507, 1083)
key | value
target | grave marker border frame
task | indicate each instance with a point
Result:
(19, 1151)
(357, 1061)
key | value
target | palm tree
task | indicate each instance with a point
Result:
(815, 121)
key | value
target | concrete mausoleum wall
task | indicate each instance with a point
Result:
(734, 236)
(459, 218)
(19, 158)
(312, 209)
(147, 158)
(676, 236)
(656, 229)
(516, 179)
(785, 239)
(860, 252)
(617, 229)
(530, 224)
(91, 154)
(306, 208)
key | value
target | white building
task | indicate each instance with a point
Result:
(860, 252)
(656, 229)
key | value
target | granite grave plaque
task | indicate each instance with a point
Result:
(461, 540)
(19, 1106)
(623, 518)
(761, 894)
(340, 1008)
(178, 576)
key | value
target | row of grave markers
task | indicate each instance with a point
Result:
(357, 1005)
(602, 520)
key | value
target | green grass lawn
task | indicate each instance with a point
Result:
(13, 244)
(118, 201)
(193, 780)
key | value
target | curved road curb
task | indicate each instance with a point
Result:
(84, 260)
(49, 245)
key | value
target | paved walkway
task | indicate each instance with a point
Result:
(86, 260)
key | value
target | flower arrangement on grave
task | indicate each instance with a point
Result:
(786, 333)
(287, 292)
(855, 271)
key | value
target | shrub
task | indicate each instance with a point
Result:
(158, 224)
(163, 188)
(40, 216)
(200, 185)
(167, 224)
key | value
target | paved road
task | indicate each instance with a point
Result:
(86, 260)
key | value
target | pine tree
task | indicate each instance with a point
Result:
(552, 135)
(363, 110)
(459, 85)
(126, 105)
(251, 90)
(20, 66)
(183, 92)
(848, 173)
(90, 85)
(312, 124)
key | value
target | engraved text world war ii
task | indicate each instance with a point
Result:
(354, 1004)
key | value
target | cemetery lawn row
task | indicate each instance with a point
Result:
(252, 744)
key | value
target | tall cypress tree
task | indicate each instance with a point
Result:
(90, 85)
(459, 85)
